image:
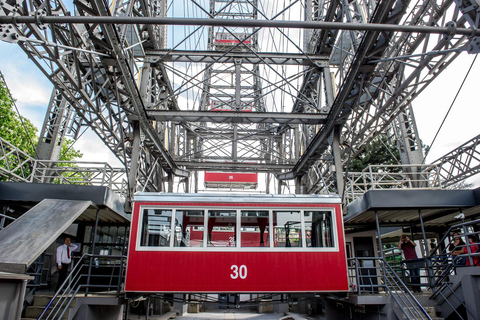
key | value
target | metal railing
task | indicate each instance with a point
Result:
(373, 274)
(84, 279)
(40, 271)
(81, 173)
(16, 165)
(416, 176)
(5, 220)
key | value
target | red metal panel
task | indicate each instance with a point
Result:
(231, 177)
(236, 271)
(169, 271)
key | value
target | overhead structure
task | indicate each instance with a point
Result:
(289, 90)
(232, 87)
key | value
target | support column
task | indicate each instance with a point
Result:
(133, 170)
(379, 235)
(298, 185)
(338, 161)
(170, 182)
(425, 251)
(94, 243)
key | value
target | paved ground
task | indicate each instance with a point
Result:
(230, 315)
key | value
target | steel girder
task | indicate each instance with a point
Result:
(95, 75)
(460, 163)
(377, 75)
(233, 125)
(385, 86)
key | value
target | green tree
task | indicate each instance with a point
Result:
(379, 152)
(22, 134)
(18, 131)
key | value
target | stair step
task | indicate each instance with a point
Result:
(35, 312)
(41, 300)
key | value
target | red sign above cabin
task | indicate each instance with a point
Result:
(231, 180)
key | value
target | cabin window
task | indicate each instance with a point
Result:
(287, 229)
(188, 228)
(222, 228)
(156, 227)
(254, 231)
(319, 228)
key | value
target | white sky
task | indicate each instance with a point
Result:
(32, 90)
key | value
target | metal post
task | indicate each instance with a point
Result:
(338, 161)
(425, 250)
(467, 243)
(148, 308)
(380, 247)
(121, 260)
(423, 247)
(378, 234)
(133, 169)
(93, 250)
(298, 185)
(170, 182)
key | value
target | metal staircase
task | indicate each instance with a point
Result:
(373, 275)
(93, 276)
(451, 279)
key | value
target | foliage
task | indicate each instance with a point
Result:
(22, 134)
(19, 131)
(68, 153)
(379, 152)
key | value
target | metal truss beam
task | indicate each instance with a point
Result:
(375, 26)
(235, 167)
(460, 163)
(370, 60)
(339, 114)
(237, 117)
(230, 57)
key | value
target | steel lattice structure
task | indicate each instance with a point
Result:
(322, 78)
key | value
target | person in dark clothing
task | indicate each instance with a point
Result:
(408, 246)
(456, 248)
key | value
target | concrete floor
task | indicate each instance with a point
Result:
(230, 315)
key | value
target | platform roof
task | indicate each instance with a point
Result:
(21, 197)
(44, 212)
(398, 207)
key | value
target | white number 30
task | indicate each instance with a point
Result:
(238, 272)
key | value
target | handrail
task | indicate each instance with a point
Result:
(73, 280)
(392, 284)
(394, 274)
(453, 228)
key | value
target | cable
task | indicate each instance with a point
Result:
(450, 108)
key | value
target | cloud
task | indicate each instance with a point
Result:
(94, 150)
(27, 84)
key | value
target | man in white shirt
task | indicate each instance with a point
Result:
(64, 258)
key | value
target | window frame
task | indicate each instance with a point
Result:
(239, 209)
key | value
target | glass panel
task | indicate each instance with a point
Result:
(188, 228)
(254, 229)
(88, 234)
(222, 226)
(287, 229)
(319, 228)
(156, 227)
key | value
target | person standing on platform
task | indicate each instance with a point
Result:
(472, 242)
(64, 258)
(456, 248)
(408, 246)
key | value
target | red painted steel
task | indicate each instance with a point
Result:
(231, 177)
(234, 270)
(225, 38)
